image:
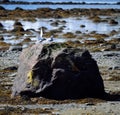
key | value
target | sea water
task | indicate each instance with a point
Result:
(110, 4)
(77, 1)
(63, 6)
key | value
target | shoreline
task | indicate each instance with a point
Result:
(83, 3)
(61, 13)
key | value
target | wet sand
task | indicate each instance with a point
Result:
(105, 48)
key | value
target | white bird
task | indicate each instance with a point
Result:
(49, 39)
(39, 36)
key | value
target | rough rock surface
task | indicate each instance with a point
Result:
(58, 73)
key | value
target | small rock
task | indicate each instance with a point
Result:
(2, 8)
(113, 46)
(1, 38)
(11, 68)
(90, 104)
(18, 8)
(82, 26)
(69, 35)
(110, 68)
(1, 26)
(96, 19)
(27, 40)
(63, 22)
(55, 23)
(116, 68)
(17, 24)
(113, 22)
(78, 32)
(18, 29)
(15, 48)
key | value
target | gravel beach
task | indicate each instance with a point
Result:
(109, 65)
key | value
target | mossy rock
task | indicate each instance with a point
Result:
(27, 40)
(99, 36)
(30, 19)
(78, 32)
(54, 32)
(96, 19)
(4, 45)
(74, 44)
(113, 32)
(69, 35)
(17, 23)
(18, 29)
(55, 23)
(115, 40)
(97, 41)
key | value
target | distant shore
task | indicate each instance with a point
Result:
(69, 3)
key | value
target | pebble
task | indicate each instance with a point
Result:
(15, 48)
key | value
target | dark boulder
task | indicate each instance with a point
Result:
(113, 22)
(1, 26)
(2, 8)
(54, 72)
(17, 24)
(1, 38)
(18, 27)
(19, 9)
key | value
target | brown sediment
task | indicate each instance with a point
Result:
(27, 40)
(4, 45)
(56, 13)
(93, 14)
(69, 35)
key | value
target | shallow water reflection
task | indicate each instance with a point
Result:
(72, 25)
(81, 24)
(8, 24)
